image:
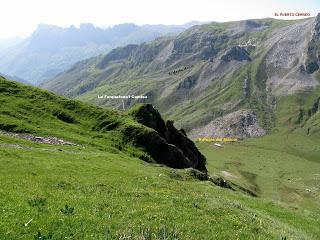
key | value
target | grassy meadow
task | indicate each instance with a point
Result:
(100, 189)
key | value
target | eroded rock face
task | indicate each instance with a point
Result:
(313, 51)
(167, 145)
(236, 53)
(158, 148)
(240, 124)
(200, 45)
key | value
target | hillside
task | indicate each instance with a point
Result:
(226, 71)
(85, 176)
(23, 111)
(52, 49)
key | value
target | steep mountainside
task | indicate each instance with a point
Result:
(51, 49)
(206, 72)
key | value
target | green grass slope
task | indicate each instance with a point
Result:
(284, 168)
(99, 190)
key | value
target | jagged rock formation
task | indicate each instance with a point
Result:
(167, 145)
(240, 124)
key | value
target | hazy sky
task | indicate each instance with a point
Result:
(21, 17)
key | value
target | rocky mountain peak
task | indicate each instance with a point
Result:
(168, 145)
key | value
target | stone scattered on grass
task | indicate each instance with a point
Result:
(46, 140)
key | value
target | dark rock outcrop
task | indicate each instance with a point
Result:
(315, 107)
(167, 145)
(151, 118)
(312, 61)
(236, 53)
(157, 147)
(177, 138)
(311, 67)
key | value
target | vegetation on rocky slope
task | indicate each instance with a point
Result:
(205, 73)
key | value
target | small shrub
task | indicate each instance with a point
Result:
(196, 205)
(67, 210)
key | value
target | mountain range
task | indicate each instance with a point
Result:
(229, 75)
(51, 49)
(117, 165)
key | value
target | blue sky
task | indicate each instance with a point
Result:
(20, 18)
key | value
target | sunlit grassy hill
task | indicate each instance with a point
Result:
(99, 188)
